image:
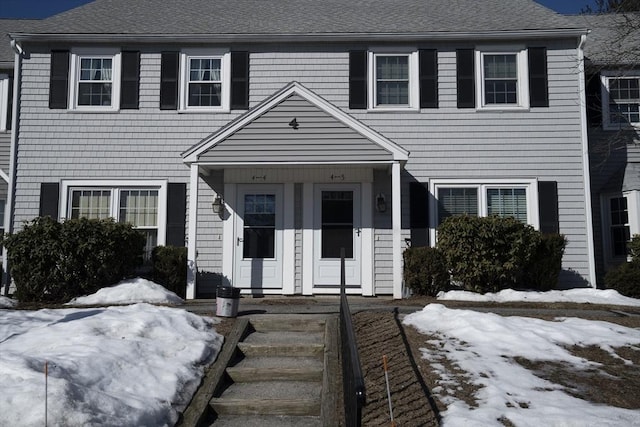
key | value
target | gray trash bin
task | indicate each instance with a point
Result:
(227, 299)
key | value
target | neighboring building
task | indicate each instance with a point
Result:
(612, 53)
(266, 135)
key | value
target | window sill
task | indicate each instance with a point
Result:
(203, 110)
(398, 109)
(93, 110)
(501, 109)
(630, 126)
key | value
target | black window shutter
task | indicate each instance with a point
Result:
(59, 79)
(465, 78)
(594, 100)
(240, 80)
(176, 212)
(419, 214)
(358, 79)
(49, 199)
(538, 80)
(428, 78)
(548, 207)
(169, 73)
(130, 80)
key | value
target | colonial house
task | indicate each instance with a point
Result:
(612, 53)
(265, 135)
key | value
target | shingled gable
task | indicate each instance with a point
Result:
(321, 133)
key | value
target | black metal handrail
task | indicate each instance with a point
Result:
(353, 382)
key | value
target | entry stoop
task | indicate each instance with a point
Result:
(280, 374)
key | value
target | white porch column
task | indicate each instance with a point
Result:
(396, 225)
(307, 238)
(192, 268)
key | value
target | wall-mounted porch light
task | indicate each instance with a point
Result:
(381, 203)
(218, 205)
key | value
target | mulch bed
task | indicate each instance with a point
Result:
(378, 334)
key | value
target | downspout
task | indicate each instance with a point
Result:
(585, 160)
(9, 208)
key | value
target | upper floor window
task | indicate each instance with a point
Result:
(502, 79)
(620, 100)
(393, 80)
(205, 78)
(95, 81)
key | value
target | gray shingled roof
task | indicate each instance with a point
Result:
(614, 38)
(9, 26)
(277, 17)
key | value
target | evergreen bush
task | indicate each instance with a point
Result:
(625, 278)
(425, 271)
(487, 254)
(170, 268)
(54, 261)
(543, 269)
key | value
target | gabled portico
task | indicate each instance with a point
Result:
(298, 182)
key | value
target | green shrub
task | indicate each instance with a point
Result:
(55, 262)
(425, 271)
(625, 279)
(543, 269)
(634, 247)
(170, 268)
(487, 254)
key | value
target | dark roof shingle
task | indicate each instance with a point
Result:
(195, 17)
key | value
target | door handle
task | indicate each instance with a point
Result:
(239, 240)
(358, 231)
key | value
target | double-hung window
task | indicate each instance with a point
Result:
(483, 198)
(393, 80)
(619, 226)
(502, 79)
(621, 100)
(139, 204)
(96, 79)
(205, 80)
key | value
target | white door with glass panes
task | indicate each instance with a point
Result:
(258, 237)
(337, 222)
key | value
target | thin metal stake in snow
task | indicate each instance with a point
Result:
(386, 378)
(46, 386)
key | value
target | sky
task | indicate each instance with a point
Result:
(43, 8)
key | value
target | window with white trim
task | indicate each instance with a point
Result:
(619, 230)
(484, 198)
(502, 78)
(393, 80)
(205, 76)
(621, 100)
(95, 83)
(138, 205)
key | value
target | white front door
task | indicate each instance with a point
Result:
(337, 225)
(258, 237)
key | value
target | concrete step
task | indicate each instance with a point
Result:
(267, 421)
(240, 374)
(284, 337)
(308, 323)
(270, 397)
(279, 362)
(285, 350)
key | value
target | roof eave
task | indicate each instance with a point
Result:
(300, 37)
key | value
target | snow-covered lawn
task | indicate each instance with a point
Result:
(135, 365)
(484, 346)
(581, 295)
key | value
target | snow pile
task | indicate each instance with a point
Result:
(484, 346)
(114, 366)
(7, 302)
(581, 295)
(130, 292)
